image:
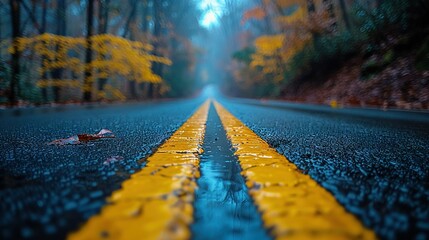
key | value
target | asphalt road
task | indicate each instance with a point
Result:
(375, 163)
(222, 196)
(47, 191)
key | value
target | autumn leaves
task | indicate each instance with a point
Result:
(290, 26)
(114, 57)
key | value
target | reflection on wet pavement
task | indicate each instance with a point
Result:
(223, 208)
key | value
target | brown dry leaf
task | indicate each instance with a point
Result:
(104, 133)
(83, 138)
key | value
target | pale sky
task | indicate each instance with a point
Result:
(211, 15)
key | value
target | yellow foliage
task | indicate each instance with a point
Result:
(112, 57)
(274, 52)
(59, 83)
(116, 55)
(269, 45)
(268, 55)
(296, 16)
(116, 93)
(295, 31)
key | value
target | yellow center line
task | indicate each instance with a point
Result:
(293, 206)
(156, 202)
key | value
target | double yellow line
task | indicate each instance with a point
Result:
(156, 203)
(292, 205)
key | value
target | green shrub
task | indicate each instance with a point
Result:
(325, 53)
(370, 27)
(390, 16)
(244, 55)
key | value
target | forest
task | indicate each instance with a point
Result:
(337, 52)
(96, 50)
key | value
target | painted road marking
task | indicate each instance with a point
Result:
(293, 206)
(156, 202)
(223, 207)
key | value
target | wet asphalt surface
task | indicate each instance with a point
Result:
(47, 191)
(375, 163)
(223, 207)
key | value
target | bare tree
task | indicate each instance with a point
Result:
(103, 20)
(128, 30)
(345, 14)
(147, 7)
(156, 67)
(44, 90)
(15, 14)
(60, 16)
(87, 84)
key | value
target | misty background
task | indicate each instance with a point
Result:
(337, 52)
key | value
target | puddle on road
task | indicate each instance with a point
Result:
(223, 207)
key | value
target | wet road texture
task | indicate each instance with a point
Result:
(223, 207)
(47, 191)
(374, 163)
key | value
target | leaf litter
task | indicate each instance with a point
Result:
(83, 138)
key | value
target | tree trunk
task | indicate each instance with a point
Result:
(30, 12)
(145, 16)
(145, 29)
(87, 84)
(144, 88)
(345, 14)
(61, 30)
(131, 17)
(156, 67)
(15, 13)
(311, 8)
(42, 31)
(329, 6)
(128, 28)
(103, 18)
(151, 91)
(132, 88)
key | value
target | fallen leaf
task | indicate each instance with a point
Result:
(66, 141)
(83, 138)
(104, 133)
(113, 159)
(87, 137)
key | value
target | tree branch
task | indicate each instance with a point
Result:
(31, 15)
